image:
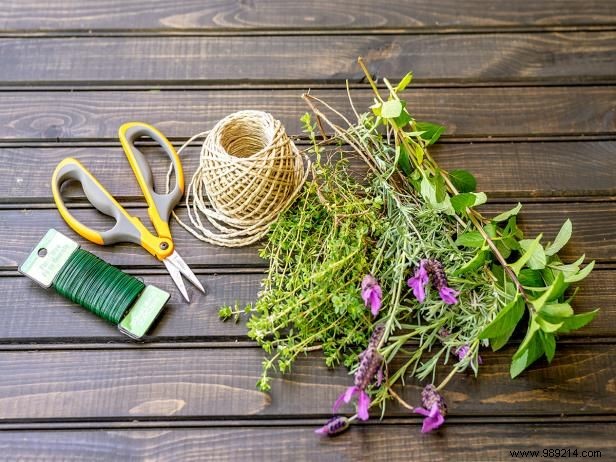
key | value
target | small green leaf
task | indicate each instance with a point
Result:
(547, 326)
(376, 108)
(439, 187)
(557, 310)
(403, 119)
(463, 181)
(391, 109)
(530, 278)
(577, 322)
(519, 264)
(554, 290)
(419, 153)
(549, 345)
(403, 160)
(571, 268)
(404, 82)
(537, 258)
(461, 201)
(509, 213)
(529, 351)
(474, 263)
(432, 132)
(470, 239)
(581, 274)
(490, 230)
(428, 192)
(503, 325)
(561, 239)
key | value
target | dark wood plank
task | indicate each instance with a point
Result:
(279, 14)
(184, 383)
(467, 112)
(594, 233)
(464, 443)
(434, 58)
(524, 169)
(40, 312)
(38, 318)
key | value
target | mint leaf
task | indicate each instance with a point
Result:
(581, 274)
(403, 160)
(463, 181)
(530, 278)
(431, 132)
(557, 310)
(474, 263)
(509, 213)
(547, 326)
(549, 345)
(577, 322)
(470, 239)
(404, 82)
(530, 351)
(461, 201)
(519, 264)
(561, 239)
(403, 119)
(503, 325)
(555, 289)
(537, 258)
(391, 109)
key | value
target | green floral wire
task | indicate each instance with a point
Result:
(98, 286)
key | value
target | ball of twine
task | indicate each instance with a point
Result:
(249, 172)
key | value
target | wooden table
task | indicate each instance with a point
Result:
(526, 90)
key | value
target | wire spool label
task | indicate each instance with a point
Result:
(48, 258)
(144, 312)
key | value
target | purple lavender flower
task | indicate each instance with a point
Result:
(369, 365)
(462, 351)
(377, 336)
(419, 281)
(334, 426)
(363, 402)
(434, 409)
(433, 418)
(371, 293)
(448, 295)
(432, 269)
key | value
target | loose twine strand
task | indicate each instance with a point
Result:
(249, 172)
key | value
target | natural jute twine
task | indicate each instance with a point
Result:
(249, 172)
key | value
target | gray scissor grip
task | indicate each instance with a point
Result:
(124, 229)
(165, 203)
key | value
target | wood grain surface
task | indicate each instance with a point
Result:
(466, 112)
(276, 15)
(197, 60)
(527, 92)
(464, 443)
(157, 383)
(536, 170)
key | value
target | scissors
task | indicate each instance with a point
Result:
(129, 228)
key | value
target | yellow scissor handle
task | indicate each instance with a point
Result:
(127, 228)
(160, 206)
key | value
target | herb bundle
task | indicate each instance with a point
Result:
(402, 266)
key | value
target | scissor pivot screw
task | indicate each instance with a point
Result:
(164, 245)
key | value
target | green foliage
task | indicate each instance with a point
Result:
(408, 209)
(463, 181)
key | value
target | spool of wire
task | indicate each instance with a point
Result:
(101, 288)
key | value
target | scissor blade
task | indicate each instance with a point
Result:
(181, 265)
(177, 278)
